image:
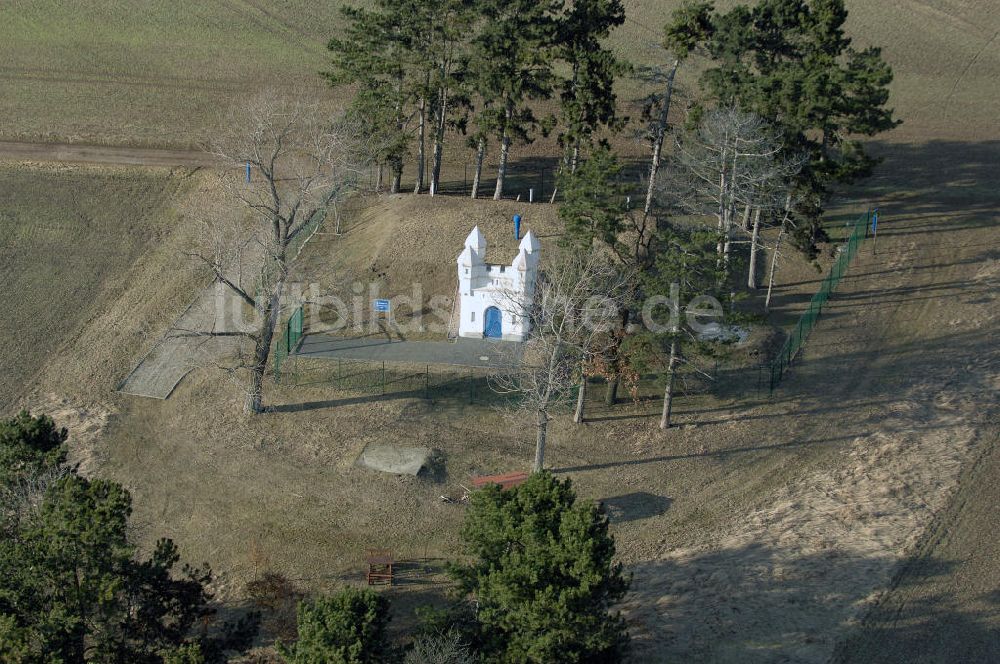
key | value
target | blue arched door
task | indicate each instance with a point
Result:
(493, 323)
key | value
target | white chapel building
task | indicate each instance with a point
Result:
(493, 298)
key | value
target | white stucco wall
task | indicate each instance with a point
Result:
(509, 288)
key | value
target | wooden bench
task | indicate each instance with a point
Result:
(506, 481)
(379, 566)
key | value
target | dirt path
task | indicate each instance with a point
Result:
(102, 154)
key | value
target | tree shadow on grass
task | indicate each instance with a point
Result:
(756, 603)
(908, 625)
(635, 506)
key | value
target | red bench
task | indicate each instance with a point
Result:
(506, 481)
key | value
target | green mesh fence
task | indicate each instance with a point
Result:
(808, 320)
(374, 377)
(288, 340)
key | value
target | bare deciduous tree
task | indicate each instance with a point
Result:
(576, 304)
(734, 161)
(444, 648)
(300, 161)
(24, 494)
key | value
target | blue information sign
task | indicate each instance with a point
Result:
(382, 305)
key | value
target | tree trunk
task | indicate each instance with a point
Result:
(660, 134)
(727, 242)
(581, 398)
(439, 141)
(502, 167)
(542, 424)
(436, 170)
(555, 186)
(746, 217)
(379, 178)
(504, 151)
(262, 351)
(720, 243)
(255, 393)
(397, 163)
(722, 217)
(754, 242)
(397, 179)
(774, 264)
(421, 123)
(726, 249)
(611, 393)
(480, 155)
(668, 392)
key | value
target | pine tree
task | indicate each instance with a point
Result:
(512, 65)
(594, 202)
(687, 26)
(686, 267)
(595, 214)
(29, 446)
(75, 590)
(345, 628)
(544, 575)
(452, 22)
(790, 61)
(377, 53)
(587, 97)
(71, 586)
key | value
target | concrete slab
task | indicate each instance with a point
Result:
(186, 345)
(395, 460)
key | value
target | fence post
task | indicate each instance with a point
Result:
(339, 368)
(383, 377)
(427, 379)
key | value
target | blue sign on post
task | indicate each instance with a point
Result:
(875, 231)
(382, 306)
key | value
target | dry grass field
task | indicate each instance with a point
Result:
(844, 516)
(151, 73)
(756, 529)
(71, 239)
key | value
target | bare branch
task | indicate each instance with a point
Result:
(300, 162)
(570, 319)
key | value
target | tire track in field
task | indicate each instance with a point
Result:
(242, 6)
(103, 154)
(965, 70)
(230, 85)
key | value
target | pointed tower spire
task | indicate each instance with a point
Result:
(530, 243)
(476, 241)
